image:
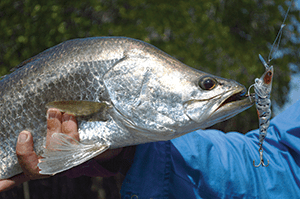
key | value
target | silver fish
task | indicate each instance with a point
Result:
(123, 91)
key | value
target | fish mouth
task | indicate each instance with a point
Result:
(233, 104)
(237, 98)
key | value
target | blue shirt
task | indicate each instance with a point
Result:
(211, 164)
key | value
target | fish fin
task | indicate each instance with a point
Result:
(78, 108)
(64, 152)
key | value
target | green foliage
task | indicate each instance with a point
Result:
(220, 37)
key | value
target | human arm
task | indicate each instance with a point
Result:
(225, 161)
(212, 164)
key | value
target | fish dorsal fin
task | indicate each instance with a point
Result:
(78, 108)
(64, 152)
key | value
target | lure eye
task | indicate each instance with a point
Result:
(207, 83)
(268, 77)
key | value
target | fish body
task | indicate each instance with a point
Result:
(128, 92)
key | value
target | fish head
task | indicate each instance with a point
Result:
(213, 99)
(158, 95)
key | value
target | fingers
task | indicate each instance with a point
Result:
(56, 123)
(54, 119)
(27, 157)
(69, 126)
(60, 123)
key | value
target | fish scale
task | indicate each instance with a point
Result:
(122, 91)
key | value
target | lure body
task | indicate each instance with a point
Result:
(262, 89)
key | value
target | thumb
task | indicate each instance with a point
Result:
(28, 161)
(26, 155)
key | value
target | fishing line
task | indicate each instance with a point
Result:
(278, 37)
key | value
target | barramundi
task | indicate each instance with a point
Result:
(123, 92)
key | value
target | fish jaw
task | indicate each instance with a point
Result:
(233, 105)
(222, 107)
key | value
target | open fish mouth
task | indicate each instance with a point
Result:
(239, 97)
(234, 104)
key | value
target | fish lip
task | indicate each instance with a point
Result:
(237, 97)
(223, 106)
(237, 102)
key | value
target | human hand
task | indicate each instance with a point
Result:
(28, 159)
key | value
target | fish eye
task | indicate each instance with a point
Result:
(207, 83)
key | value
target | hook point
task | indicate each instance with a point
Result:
(262, 163)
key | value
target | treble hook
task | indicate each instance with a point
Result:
(261, 158)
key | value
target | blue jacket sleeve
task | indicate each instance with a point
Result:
(211, 164)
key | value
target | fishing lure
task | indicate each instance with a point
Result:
(262, 89)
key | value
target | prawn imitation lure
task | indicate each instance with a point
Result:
(262, 89)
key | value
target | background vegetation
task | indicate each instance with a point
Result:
(221, 37)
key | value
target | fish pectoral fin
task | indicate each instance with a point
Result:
(78, 108)
(64, 152)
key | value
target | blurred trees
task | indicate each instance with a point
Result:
(221, 37)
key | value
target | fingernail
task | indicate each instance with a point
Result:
(67, 117)
(51, 114)
(23, 137)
